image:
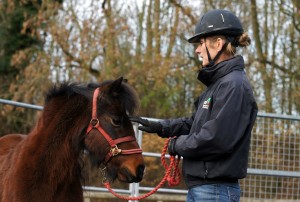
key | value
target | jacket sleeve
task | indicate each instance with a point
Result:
(176, 127)
(230, 117)
(179, 126)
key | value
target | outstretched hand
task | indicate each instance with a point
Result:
(146, 125)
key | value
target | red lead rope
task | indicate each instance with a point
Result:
(172, 176)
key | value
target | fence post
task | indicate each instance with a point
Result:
(134, 187)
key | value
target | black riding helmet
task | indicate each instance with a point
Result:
(218, 22)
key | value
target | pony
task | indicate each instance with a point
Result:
(45, 165)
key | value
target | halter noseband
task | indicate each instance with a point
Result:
(114, 151)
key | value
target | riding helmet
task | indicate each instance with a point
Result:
(217, 22)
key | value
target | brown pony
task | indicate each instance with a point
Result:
(45, 164)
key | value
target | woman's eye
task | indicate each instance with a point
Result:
(116, 122)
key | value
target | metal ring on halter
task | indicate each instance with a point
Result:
(115, 150)
(94, 122)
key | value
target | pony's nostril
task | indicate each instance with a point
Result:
(126, 175)
(140, 171)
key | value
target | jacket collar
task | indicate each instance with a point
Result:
(208, 75)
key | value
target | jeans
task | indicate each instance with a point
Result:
(225, 192)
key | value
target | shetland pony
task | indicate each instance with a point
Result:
(44, 165)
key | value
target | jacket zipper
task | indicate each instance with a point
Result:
(205, 170)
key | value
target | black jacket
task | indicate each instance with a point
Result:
(215, 140)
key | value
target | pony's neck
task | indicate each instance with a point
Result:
(54, 151)
(54, 147)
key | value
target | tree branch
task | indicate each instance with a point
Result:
(185, 11)
(281, 68)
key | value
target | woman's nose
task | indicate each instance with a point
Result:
(197, 51)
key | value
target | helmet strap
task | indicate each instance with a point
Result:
(208, 54)
(213, 61)
(207, 51)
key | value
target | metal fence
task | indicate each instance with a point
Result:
(274, 170)
(274, 163)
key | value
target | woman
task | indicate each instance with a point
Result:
(214, 142)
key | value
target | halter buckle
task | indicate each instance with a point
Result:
(115, 150)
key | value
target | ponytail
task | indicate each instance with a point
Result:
(239, 41)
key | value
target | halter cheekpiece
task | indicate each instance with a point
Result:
(114, 151)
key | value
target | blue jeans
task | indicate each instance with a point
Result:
(226, 192)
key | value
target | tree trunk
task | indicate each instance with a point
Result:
(149, 32)
(110, 47)
(157, 32)
(267, 81)
(173, 33)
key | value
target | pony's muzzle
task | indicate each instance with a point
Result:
(140, 173)
(127, 176)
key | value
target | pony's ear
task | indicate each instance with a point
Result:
(115, 87)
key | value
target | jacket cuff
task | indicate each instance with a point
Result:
(164, 130)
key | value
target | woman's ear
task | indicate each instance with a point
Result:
(220, 43)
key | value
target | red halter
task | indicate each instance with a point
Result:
(114, 151)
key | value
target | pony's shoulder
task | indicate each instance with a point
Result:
(8, 142)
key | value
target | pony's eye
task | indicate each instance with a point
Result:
(117, 122)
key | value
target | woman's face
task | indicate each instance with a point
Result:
(213, 45)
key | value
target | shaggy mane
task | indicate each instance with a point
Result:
(127, 94)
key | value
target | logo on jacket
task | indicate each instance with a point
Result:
(206, 103)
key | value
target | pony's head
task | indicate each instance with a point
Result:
(110, 138)
(98, 113)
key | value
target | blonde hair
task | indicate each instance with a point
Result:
(239, 41)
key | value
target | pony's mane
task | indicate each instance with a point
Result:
(126, 93)
(68, 89)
